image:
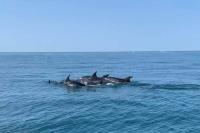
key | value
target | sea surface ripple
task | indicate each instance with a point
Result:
(163, 97)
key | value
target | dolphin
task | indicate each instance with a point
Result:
(72, 83)
(92, 80)
(114, 80)
(90, 76)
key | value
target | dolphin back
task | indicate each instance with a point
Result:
(104, 76)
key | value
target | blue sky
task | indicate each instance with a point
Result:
(99, 25)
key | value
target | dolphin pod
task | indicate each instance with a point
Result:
(94, 80)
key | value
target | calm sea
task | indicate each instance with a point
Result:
(164, 96)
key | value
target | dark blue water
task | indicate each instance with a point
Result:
(164, 96)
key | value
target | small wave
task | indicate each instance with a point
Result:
(176, 86)
(166, 86)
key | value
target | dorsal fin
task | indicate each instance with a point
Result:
(104, 76)
(67, 79)
(94, 75)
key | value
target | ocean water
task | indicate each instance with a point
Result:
(164, 96)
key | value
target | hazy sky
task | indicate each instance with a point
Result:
(99, 25)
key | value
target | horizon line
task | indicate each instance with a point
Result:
(99, 51)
